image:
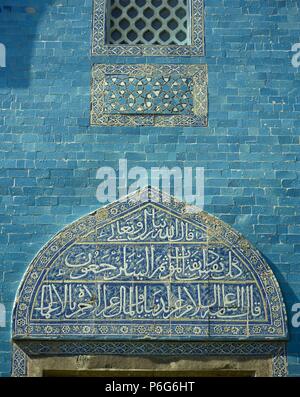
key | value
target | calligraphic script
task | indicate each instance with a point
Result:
(146, 268)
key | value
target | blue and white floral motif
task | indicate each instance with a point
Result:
(149, 267)
(158, 95)
(153, 95)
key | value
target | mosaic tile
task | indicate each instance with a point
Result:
(153, 95)
(276, 350)
(158, 95)
(149, 267)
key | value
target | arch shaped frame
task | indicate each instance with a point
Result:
(209, 288)
(239, 294)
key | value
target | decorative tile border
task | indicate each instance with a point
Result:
(99, 47)
(19, 362)
(23, 350)
(134, 84)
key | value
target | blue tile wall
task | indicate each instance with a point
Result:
(250, 150)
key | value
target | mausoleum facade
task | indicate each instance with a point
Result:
(148, 282)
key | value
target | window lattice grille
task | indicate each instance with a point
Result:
(148, 22)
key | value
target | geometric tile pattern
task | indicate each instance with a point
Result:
(149, 267)
(157, 95)
(148, 28)
(159, 22)
(153, 95)
(25, 349)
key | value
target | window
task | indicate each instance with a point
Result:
(148, 27)
(155, 22)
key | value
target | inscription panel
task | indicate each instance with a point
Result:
(149, 269)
